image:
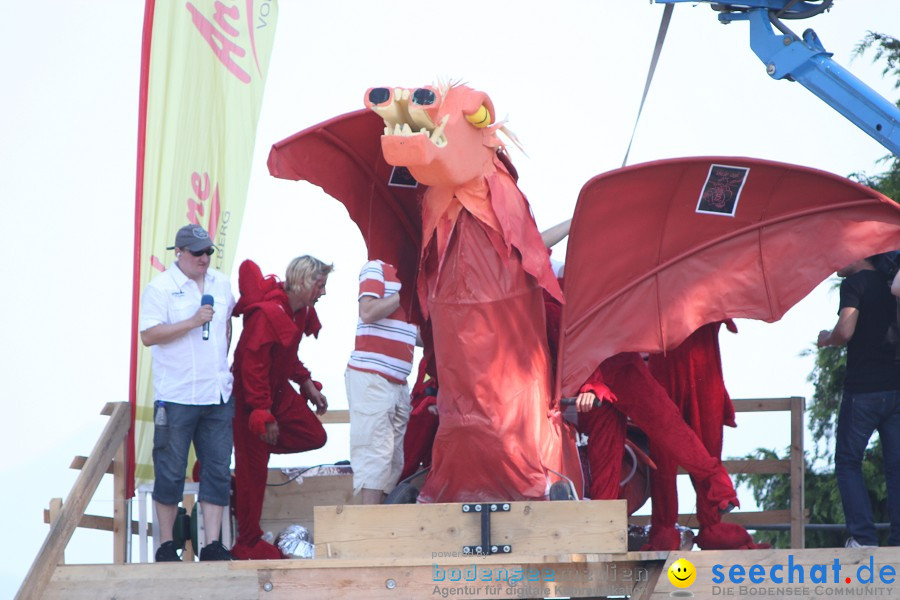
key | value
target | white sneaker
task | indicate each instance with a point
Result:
(852, 543)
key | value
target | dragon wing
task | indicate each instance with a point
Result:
(343, 157)
(659, 249)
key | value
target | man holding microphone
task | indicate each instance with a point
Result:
(185, 318)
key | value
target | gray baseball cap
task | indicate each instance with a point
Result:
(193, 238)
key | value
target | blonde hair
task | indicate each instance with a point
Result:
(303, 271)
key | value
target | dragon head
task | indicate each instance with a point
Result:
(444, 136)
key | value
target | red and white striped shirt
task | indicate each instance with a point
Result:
(384, 347)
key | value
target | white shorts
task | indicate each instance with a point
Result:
(379, 412)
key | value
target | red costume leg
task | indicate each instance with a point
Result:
(664, 499)
(645, 401)
(299, 429)
(707, 511)
(606, 428)
(251, 461)
(417, 442)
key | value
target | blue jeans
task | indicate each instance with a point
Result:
(860, 415)
(209, 426)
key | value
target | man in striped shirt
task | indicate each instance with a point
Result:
(376, 383)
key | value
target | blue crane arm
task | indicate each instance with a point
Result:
(804, 60)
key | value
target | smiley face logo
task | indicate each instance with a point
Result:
(682, 573)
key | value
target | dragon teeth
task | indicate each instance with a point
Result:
(438, 132)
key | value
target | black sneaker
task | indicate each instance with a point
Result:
(215, 551)
(167, 552)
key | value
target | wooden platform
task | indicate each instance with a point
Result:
(639, 575)
(538, 550)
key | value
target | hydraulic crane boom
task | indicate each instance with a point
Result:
(805, 60)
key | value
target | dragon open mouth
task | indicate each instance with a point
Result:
(406, 113)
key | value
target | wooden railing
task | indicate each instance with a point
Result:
(108, 450)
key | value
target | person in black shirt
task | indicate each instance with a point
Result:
(871, 397)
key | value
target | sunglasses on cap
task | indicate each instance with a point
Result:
(209, 252)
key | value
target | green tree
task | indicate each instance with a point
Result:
(823, 501)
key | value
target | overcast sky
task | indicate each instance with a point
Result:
(568, 75)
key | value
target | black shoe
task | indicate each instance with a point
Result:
(215, 551)
(167, 552)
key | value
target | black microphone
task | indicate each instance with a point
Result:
(571, 401)
(206, 300)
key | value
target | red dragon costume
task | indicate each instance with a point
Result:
(482, 272)
(265, 361)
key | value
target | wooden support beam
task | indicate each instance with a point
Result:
(747, 519)
(99, 523)
(78, 464)
(51, 515)
(798, 474)
(121, 514)
(82, 491)
(766, 466)
(335, 416)
(764, 404)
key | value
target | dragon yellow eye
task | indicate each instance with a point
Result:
(480, 118)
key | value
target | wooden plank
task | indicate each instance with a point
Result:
(121, 514)
(335, 416)
(61, 530)
(766, 466)
(748, 519)
(153, 581)
(474, 580)
(97, 522)
(441, 530)
(78, 464)
(290, 503)
(763, 404)
(798, 474)
(643, 588)
(575, 576)
(51, 515)
(588, 575)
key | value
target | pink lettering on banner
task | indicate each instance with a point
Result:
(196, 205)
(218, 39)
(157, 264)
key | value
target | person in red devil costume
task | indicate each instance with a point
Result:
(270, 416)
(423, 420)
(692, 377)
(626, 389)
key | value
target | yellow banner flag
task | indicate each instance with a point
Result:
(203, 71)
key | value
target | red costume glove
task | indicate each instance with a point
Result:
(258, 420)
(599, 389)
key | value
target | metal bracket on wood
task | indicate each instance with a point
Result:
(486, 546)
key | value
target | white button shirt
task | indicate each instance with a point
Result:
(189, 369)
